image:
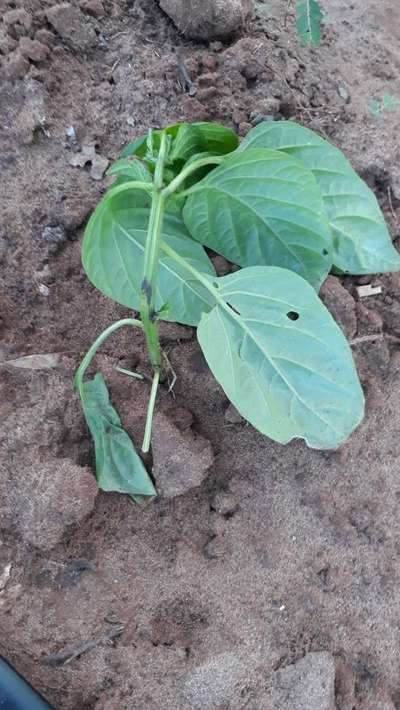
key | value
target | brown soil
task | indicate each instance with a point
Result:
(282, 550)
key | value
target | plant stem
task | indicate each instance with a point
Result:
(78, 379)
(150, 266)
(148, 286)
(150, 412)
(177, 182)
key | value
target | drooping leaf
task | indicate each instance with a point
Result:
(361, 241)
(119, 467)
(262, 207)
(112, 256)
(281, 359)
(308, 22)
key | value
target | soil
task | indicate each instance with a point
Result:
(281, 551)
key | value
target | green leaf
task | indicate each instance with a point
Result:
(131, 169)
(361, 241)
(262, 207)
(119, 468)
(188, 139)
(308, 22)
(281, 359)
(218, 139)
(112, 256)
(137, 147)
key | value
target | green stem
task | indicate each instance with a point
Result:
(150, 266)
(203, 278)
(150, 412)
(180, 179)
(149, 282)
(78, 379)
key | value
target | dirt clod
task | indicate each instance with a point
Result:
(309, 683)
(208, 19)
(181, 460)
(70, 23)
(341, 304)
(33, 49)
(93, 7)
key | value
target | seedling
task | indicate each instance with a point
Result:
(287, 207)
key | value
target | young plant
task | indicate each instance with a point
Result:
(287, 207)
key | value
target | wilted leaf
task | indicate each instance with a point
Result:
(119, 468)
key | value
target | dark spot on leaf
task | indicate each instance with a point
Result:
(235, 310)
(215, 284)
(292, 315)
(325, 252)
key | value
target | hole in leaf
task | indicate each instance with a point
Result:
(325, 252)
(292, 315)
(235, 310)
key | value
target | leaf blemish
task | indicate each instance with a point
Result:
(235, 310)
(292, 315)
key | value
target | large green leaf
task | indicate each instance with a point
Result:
(308, 22)
(361, 241)
(262, 207)
(281, 359)
(119, 467)
(112, 256)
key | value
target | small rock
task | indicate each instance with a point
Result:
(99, 166)
(88, 155)
(232, 415)
(45, 37)
(268, 107)
(180, 460)
(33, 49)
(16, 66)
(309, 684)
(224, 503)
(93, 7)
(208, 19)
(344, 94)
(18, 17)
(341, 304)
(70, 23)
